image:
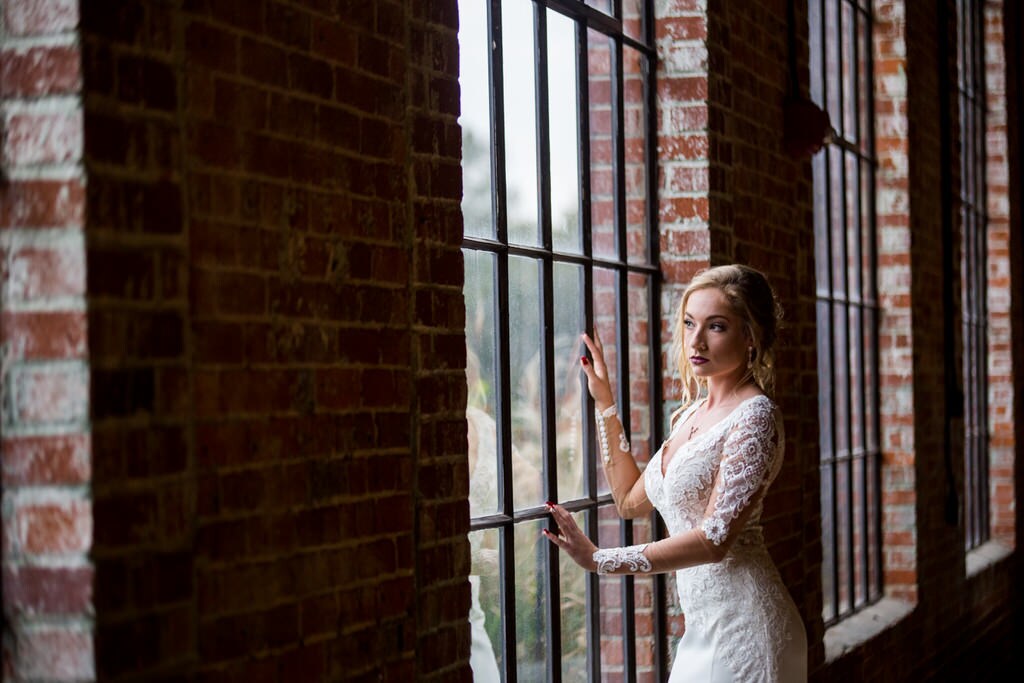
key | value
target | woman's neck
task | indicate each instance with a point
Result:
(724, 391)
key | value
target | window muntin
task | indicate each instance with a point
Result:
(847, 308)
(971, 99)
(558, 146)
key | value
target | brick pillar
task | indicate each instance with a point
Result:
(46, 444)
(1002, 443)
(895, 331)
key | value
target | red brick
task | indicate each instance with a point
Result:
(43, 138)
(58, 394)
(48, 590)
(54, 528)
(54, 653)
(211, 47)
(40, 17)
(42, 204)
(44, 335)
(48, 460)
(52, 70)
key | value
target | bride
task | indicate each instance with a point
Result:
(708, 481)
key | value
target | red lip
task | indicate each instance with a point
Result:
(698, 360)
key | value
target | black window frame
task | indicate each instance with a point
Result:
(609, 24)
(851, 566)
(972, 193)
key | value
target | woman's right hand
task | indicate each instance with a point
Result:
(598, 384)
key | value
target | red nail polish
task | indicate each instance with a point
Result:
(583, 359)
(549, 504)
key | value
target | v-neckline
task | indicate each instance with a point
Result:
(664, 466)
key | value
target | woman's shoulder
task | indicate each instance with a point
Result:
(759, 405)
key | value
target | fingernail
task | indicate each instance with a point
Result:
(549, 504)
(583, 359)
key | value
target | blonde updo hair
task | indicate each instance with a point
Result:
(753, 301)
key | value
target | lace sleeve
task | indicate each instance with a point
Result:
(748, 463)
(610, 560)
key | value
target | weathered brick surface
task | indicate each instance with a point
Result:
(233, 352)
(44, 371)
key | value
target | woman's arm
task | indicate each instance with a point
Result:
(749, 456)
(620, 469)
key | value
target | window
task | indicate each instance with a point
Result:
(559, 237)
(847, 308)
(973, 266)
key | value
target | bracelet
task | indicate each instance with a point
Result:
(611, 559)
(602, 433)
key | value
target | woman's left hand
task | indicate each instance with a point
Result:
(571, 539)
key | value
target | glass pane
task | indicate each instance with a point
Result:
(563, 99)
(867, 234)
(859, 532)
(864, 86)
(850, 95)
(874, 543)
(481, 378)
(637, 186)
(825, 410)
(573, 583)
(632, 19)
(853, 237)
(610, 597)
(640, 340)
(832, 62)
(605, 319)
(603, 5)
(843, 507)
(520, 121)
(531, 601)
(815, 28)
(485, 608)
(643, 610)
(837, 220)
(819, 163)
(856, 380)
(602, 151)
(841, 380)
(828, 558)
(871, 381)
(475, 119)
(569, 391)
(525, 371)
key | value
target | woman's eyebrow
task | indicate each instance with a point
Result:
(710, 317)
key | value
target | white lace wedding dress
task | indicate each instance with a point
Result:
(741, 624)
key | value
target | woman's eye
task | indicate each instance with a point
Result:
(718, 327)
(687, 323)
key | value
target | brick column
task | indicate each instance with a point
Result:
(46, 444)
(1002, 443)
(895, 331)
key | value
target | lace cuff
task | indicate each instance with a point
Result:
(715, 529)
(610, 559)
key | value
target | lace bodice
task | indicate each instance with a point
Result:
(711, 480)
(745, 447)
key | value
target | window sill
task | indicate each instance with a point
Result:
(858, 629)
(986, 555)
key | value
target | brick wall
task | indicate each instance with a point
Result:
(276, 329)
(233, 365)
(143, 465)
(44, 359)
(433, 216)
(1000, 381)
(896, 335)
(760, 215)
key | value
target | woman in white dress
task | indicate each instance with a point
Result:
(708, 481)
